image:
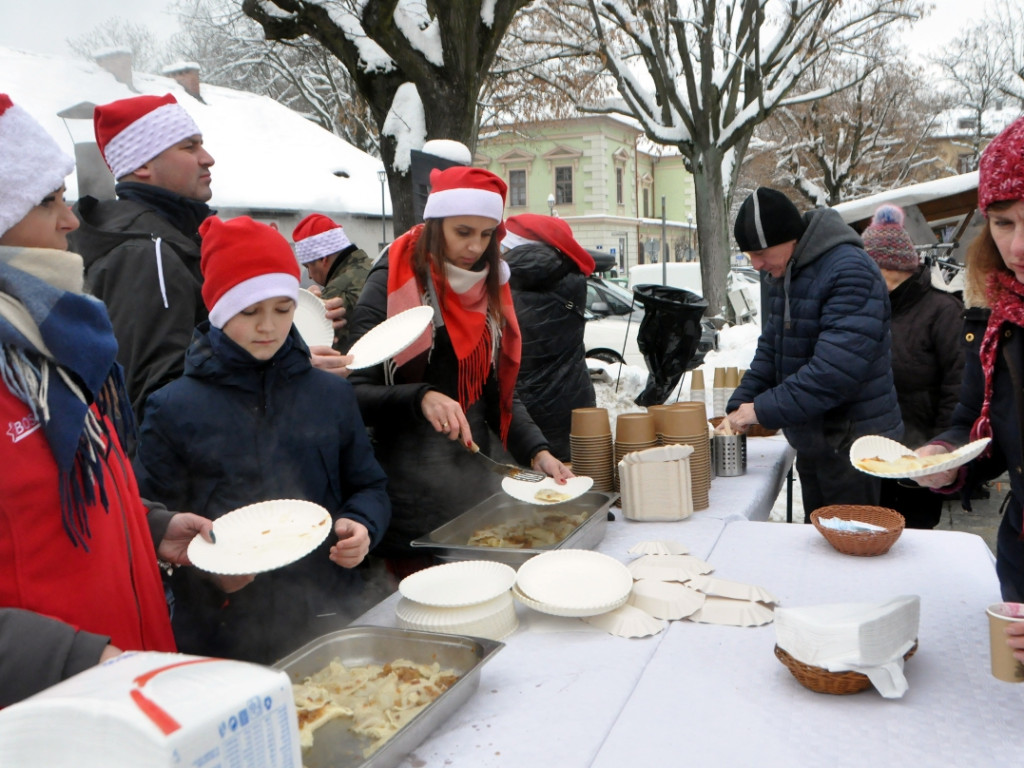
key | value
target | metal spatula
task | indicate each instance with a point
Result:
(507, 470)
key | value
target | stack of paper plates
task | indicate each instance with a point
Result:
(573, 582)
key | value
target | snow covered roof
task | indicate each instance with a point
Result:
(938, 199)
(960, 121)
(267, 156)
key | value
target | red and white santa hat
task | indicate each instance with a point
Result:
(461, 191)
(527, 228)
(244, 262)
(31, 164)
(131, 132)
(317, 236)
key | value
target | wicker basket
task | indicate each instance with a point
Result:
(754, 430)
(863, 544)
(821, 680)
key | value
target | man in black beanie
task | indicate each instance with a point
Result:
(822, 371)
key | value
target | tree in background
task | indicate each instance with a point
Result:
(701, 75)
(862, 139)
(420, 67)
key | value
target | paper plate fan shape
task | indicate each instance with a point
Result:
(669, 567)
(545, 492)
(665, 599)
(735, 613)
(261, 537)
(737, 590)
(311, 320)
(452, 585)
(627, 621)
(897, 460)
(386, 340)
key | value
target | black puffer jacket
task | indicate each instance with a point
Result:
(927, 357)
(549, 293)
(431, 479)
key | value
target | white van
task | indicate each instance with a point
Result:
(684, 275)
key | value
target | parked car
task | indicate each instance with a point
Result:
(613, 321)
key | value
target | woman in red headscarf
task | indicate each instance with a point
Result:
(456, 384)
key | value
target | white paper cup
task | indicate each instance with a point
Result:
(1004, 665)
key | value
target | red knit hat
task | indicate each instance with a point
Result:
(31, 164)
(552, 231)
(131, 132)
(888, 243)
(317, 236)
(244, 262)
(461, 191)
(1001, 168)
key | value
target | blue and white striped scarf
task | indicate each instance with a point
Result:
(57, 355)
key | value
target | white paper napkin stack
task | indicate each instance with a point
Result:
(655, 483)
(870, 638)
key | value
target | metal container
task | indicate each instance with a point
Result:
(450, 541)
(334, 745)
(730, 455)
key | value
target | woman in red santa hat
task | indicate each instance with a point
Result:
(991, 404)
(79, 580)
(456, 384)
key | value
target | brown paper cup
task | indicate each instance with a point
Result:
(1004, 665)
(732, 377)
(590, 422)
(696, 380)
(719, 378)
(635, 428)
(681, 421)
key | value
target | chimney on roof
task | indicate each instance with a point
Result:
(118, 62)
(186, 73)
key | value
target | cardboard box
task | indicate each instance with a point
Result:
(157, 709)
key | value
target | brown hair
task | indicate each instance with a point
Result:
(430, 251)
(983, 258)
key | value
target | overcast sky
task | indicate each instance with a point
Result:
(45, 25)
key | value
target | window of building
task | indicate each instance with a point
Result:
(966, 123)
(618, 186)
(563, 184)
(647, 206)
(516, 188)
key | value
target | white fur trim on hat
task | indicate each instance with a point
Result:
(512, 240)
(325, 244)
(31, 165)
(147, 137)
(253, 291)
(464, 201)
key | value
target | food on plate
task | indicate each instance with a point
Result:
(380, 699)
(552, 496)
(906, 463)
(536, 530)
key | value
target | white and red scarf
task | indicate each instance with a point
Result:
(477, 344)
(1006, 297)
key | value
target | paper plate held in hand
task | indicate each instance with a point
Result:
(547, 491)
(390, 337)
(882, 457)
(261, 537)
(311, 320)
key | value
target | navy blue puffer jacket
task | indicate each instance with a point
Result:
(823, 371)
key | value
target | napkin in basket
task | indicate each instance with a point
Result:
(870, 638)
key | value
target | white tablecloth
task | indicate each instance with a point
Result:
(718, 696)
(752, 495)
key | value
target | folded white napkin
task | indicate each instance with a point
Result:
(870, 638)
(856, 526)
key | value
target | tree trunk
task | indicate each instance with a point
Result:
(714, 244)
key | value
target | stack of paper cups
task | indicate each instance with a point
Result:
(697, 392)
(732, 380)
(718, 393)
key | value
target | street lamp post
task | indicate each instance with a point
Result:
(551, 204)
(689, 221)
(382, 174)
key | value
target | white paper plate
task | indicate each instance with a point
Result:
(527, 491)
(576, 580)
(871, 446)
(628, 621)
(452, 585)
(261, 537)
(555, 610)
(311, 320)
(390, 337)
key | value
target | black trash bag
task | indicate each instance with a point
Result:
(668, 337)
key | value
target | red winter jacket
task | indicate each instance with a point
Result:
(112, 589)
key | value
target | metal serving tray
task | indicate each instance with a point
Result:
(449, 541)
(334, 745)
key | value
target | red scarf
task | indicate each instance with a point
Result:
(465, 317)
(1006, 296)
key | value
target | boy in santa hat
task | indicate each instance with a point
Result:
(79, 580)
(333, 262)
(236, 429)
